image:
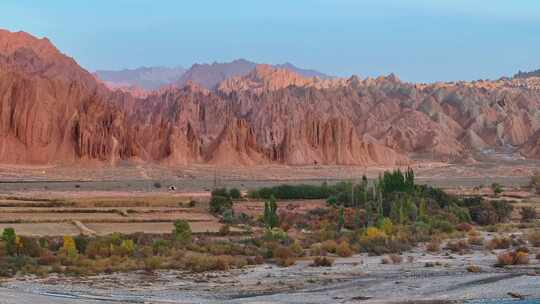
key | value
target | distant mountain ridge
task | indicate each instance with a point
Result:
(521, 74)
(148, 78)
(206, 75)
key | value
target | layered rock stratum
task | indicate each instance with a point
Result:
(52, 111)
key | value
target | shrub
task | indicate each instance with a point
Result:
(443, 226)
(322, 262)
(152, 263)
(127, 247)
(496, 188)
(160, 247)
(284, 256)
(296, 192)
(474, 268)
(157, 185)
(386, 260)
(466, 227)
(503, 209)
(512, 258)
(297, 248)
(433, 246)
(69, 247)
(528, 214)
(182, 232)
(221, 192)
(458, 246)
(270, 216)
(224, 230)
(29, 247)
(344, 249)
(476, 240)
(534, 238)
(329, 246)
(218, 204)
(81, 242)
(386, 226)
(499, 243)
(275, 234)
(234, 193)
(490, 213)
(332, 200)
(535, 182)
(396, 259)
(10, 239)
(316, 249)
(286, 262)
(47, 259)
(462, 214)
(374, 233)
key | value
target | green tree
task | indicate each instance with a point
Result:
(10, 239)
(218, 204)
(341, 219)
(234, 193)
(270, 216)
(182, 232)
(497, 188)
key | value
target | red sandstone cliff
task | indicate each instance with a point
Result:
(53, 111)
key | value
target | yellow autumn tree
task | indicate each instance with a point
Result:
(69, 247)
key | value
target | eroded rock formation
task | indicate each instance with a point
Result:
(53, 111)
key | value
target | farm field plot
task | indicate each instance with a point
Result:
(43, 229)
(152, 228)
(38, 216)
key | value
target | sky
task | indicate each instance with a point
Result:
(419, 40)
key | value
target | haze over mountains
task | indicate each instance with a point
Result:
(206, 75)
(148, 78)
(53, 111)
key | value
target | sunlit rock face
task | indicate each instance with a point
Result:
(53, 111)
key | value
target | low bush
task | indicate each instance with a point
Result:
(512, 258)
(458, 246)
(322, 262)
(474, 268)
(182, 232)
(499, 243)
(297, 248)
(221, 192)
(219, 204)
(433, 246)
(475, 240)
(528, 214)
(234, 193)
(396, 259)
(465, 227)
(534, 238)
(329, 246)
(225, 230)
(316, 249)
(153, 263)
(344, 249)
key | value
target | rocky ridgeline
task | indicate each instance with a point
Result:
(53, 111)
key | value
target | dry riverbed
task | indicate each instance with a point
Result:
(359, 279)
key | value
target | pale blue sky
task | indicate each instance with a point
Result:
(419, 40)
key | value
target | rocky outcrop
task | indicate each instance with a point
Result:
(53, 111)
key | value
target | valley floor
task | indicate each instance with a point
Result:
(359, 279)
